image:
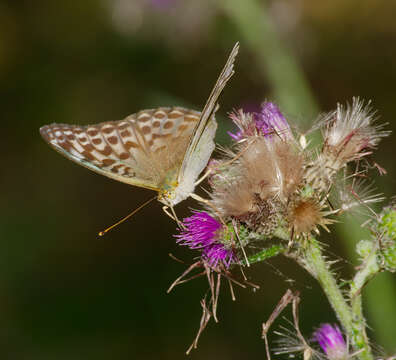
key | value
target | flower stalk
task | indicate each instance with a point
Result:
(350, 317)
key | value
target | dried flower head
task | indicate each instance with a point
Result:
(350, 133)
(355, 195)
(275, 167)
(257, 181)
(290, 342)
(232, 203)
(331, 341)
(305, 215)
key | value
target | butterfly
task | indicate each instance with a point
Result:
(163, 149)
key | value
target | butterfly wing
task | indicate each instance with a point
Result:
(138, 150)
(202, 143)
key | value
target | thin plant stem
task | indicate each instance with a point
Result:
(273, 59)
(353, 325)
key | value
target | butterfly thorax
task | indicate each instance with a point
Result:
(168, 188)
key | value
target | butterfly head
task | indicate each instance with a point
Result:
(169, 195)
(174, 193)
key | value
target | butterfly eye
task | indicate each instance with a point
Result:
(165, 194)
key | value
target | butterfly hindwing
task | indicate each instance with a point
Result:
(138, 150)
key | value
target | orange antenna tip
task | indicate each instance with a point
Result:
(101, 233)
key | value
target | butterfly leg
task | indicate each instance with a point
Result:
(203, 177)
(173, 216)
(165, 210)
(199, 198)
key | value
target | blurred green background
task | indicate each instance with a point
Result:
(67, 294)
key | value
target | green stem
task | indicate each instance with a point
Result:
(273, 59)
(319, 269)
(265, 254)
(353, 325)
(366, 272)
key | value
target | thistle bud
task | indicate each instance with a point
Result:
(331, 341)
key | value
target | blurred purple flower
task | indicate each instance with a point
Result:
(331, 341)
(265, 122)
(201, 232)
(270, 118)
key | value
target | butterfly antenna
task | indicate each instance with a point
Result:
(127, 217)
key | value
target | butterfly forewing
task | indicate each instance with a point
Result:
(139, 150)
(201, 143)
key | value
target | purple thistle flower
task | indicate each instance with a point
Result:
(270, 118)
(201, 232)
(331, 341)
(216, 253)
(265, 122)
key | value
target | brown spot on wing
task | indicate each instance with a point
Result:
(88, 147)
(191, 118)
(125, 156)
(159, 114)
(88, 155)
(174, 114)
(125, 133)
(112, 140)
(115, 168)
(92, 132)
(108, 162)
(106, 151)
(168, 124)
(144, 117)
(131, 144)
(108, 129)
(146, 130)
(123, 126)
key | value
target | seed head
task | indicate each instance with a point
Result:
(305, 215)
(350, 133)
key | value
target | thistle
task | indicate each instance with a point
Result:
(331, 341)
(270, 195)
(202, 231)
